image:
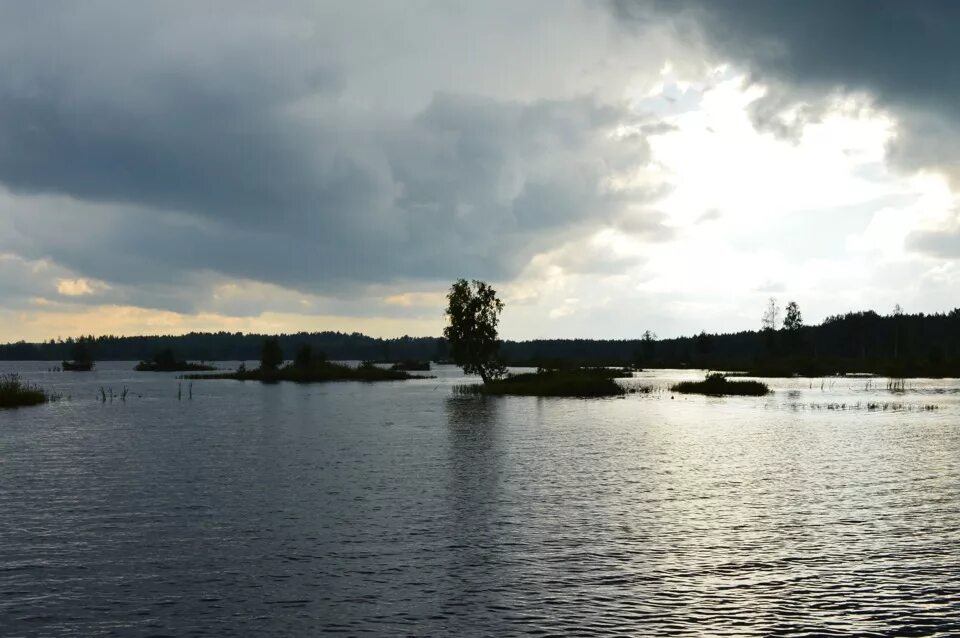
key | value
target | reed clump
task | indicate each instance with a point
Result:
(896, 385)
(15, 393)
(867, 406)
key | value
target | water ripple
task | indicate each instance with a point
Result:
(291, 510)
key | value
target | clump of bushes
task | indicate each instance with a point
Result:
(584, 382)
(328, 371)
(82, 359)
(15, 393)
(718, 385)
(166, 361)
(307, 367)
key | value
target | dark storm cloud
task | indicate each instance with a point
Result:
(470, 184)
(112, 105)
(180, 139)
(906, 55)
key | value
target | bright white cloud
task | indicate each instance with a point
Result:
(819, 218)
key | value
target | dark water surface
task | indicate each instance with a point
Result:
(399, 509)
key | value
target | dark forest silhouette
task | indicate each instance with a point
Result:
(896, 344)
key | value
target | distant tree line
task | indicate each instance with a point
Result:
(898, 344)
(230, 346)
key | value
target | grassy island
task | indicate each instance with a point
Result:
(718, 385)
(583, 382)
(316, 372)
(14, 393)
(411, 366)
(77, 366)
(82, 359)
(180, 366)
(166, 361)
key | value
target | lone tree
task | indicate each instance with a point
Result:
(474, 310)
(897, 323)
(792, 323)
(81, 352)
(648, 338)
(165, 358)
(793, 319)
(271, 356)
(304, 356)
(770, 315)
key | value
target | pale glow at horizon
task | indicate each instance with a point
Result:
(43, 325)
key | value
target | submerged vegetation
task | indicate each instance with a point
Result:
(717, 384)
(14, 393)
(166, 361)
(868, 406)
(583, 382)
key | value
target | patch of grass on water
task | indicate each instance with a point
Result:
(166, 361)
(14, 393)
(316, 372)
(179, 366)
(869, 406)
(591, 382)
(411, 366)
(717, 385)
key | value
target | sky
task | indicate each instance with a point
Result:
(610, 167)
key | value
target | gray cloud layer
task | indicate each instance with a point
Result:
(146, 142)
(332, 147)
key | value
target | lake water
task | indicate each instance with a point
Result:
(398, 508)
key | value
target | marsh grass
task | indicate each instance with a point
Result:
(718, 385)
(866, 406)
(14, 393)
(105, 394)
